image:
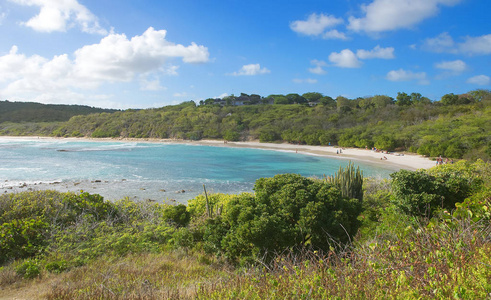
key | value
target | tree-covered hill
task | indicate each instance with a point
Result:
(457, 126)
(36, 112)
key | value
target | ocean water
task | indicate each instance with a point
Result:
(157, 171)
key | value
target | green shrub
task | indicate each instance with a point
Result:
(22, 238)
(56, 267)
(183, 238)
(28, 269)
(177, 214)
(231, 135)
(287, 211)
(422, 192)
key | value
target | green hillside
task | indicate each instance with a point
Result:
(456, 126)
(36, 112)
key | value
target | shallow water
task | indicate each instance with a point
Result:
(161, 172)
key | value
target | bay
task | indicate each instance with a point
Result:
(157, 171)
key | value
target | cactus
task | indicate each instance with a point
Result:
(349, 181)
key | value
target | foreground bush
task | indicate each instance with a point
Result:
(77, 228)
(423, 192)
(286, 212)
(436, 263)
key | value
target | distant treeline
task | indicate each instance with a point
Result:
(36, 112)
(457, 126)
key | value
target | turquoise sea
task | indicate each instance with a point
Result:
(157, 171)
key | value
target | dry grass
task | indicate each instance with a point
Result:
(143, 276)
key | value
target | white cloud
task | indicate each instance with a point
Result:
(315, 24)
(388, 15)
(476, 45)
(318, 25)
(114, 59)
(150, 85)
(480, 80)
(456, 66)
(251, 70)
(334, 34)
(480, 45)
(442, 43)
(61, 15)
(377, 52)
(306, 80)
(345, 59)
(403, 75)
(318, 69)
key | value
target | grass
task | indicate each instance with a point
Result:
(142, 276)
(437, 262)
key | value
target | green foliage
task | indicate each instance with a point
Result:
(28, 269)
(422, 193)
(36, 112)
(385, 142)
(349, 181)
(287, 211)
(22, 238)
(177, 215)
(403, 99)
(85, 203)
(57, 267)
(77, 228)
(231, 135)
(102, 133)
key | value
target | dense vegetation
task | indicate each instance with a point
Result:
(340, 237)
(17, 112)
(457, 126)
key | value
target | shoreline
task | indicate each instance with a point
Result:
(393, 160)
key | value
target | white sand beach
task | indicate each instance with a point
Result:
(397, 160)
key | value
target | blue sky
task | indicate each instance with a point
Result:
(149, 53)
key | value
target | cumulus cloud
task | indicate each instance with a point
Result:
(479, 45)
(345, 59)
(441, 43)
(306, 80)
(388, 15)
(150, 84)
(456, 66)
(318, 25)
(377, 52)
(61, 15)
(348, 59)
(115, 59)
(318, 67)
(480, 80)
(334, 35)
(476, 45)
(251, 70)
(403, 75)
